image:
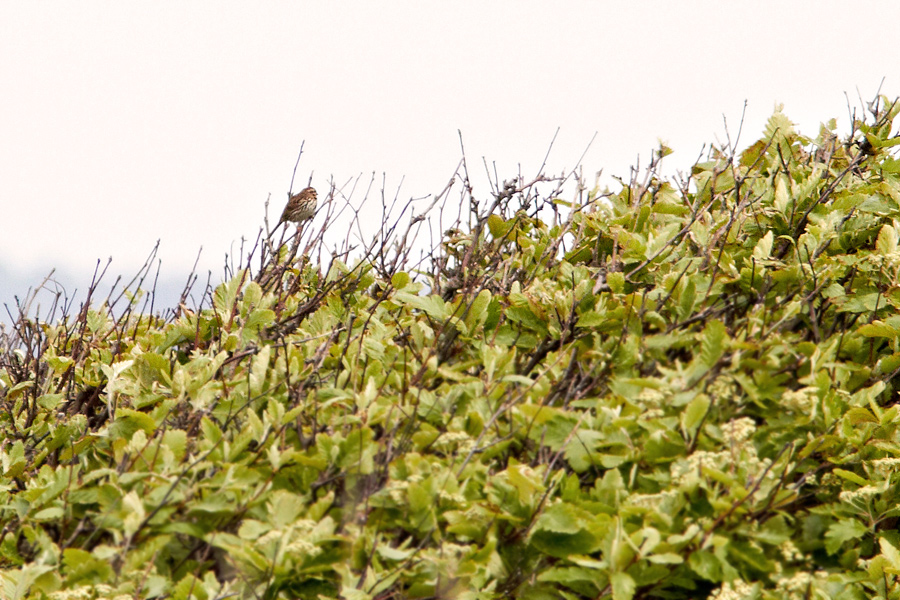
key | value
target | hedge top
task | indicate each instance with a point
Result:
(682, 389)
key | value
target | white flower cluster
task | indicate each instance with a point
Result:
(733, 590)
(862, 493)
(85, 592)
(454, 441)
(652, 414)
(457, 499)
(725, 387)
(651, 500)
(651, 396)
(398, 489)
(803, 401)
(886, 466)
(798, 585)
(738, 431)
(684, 470)
(299, 547)
(741, 455)
(790, 552)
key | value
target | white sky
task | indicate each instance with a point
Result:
(127, 122)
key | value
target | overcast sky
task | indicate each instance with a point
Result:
(127, 122)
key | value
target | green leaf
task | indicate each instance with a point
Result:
(60, 364)
(477, 313)
(19, 389)
(283, 508)
(688, 298)
(706, 565)
(752, 154)
(225, 296)
(712, 345)
(82, 567)
(666, 558)
(400, 280)
(886, 244)
(878, 329)
(259, 318)
(763, 248)
(622, 586)
(843, 531)
(498, 227)
(129, 421)
(525, 482)
(210, 430)
(433, 306)
(591, 319)
(563, 530)
(616, 282)
(694, 412)
(891, 554)
(850, 476)
(525, 316)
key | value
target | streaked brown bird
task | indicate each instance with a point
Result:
(301, 207)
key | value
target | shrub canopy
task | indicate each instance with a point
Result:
(682, 389)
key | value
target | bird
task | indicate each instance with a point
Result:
(300, 207)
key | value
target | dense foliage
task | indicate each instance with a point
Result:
(683, 389)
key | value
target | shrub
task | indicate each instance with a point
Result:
(683, 389)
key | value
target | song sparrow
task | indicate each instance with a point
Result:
(301, 207)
